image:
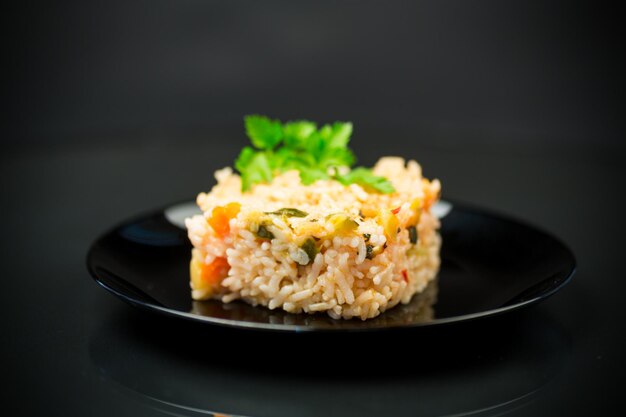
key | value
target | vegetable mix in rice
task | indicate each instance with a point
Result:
(298, 229)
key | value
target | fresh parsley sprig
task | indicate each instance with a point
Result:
(300, 145)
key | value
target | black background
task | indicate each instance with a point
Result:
(452, 71)
(117, 107)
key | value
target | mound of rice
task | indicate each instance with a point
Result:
(324, 247)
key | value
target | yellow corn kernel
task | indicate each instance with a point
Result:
(310, 229)
(416, 212)
(195, 271)
(369, 211)
(390, 224)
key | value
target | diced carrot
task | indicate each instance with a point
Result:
(429, 200)
(233, 209)
(405, 275)
(430, 197)
(221, 216)
(396, 210)
(214, 272)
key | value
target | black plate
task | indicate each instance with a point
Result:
(490, 264)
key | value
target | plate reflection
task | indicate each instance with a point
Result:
(487, 367)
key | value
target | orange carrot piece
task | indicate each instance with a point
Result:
(214, 272)
(221, 216)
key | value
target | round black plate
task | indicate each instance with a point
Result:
(490, 264)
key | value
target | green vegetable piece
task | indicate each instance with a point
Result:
(263, 132)
(350, 224)
(412, 234)
(310, 248)
(343, 224)
(263, 233)
(367, 236)
(289, 212)
(369, 252)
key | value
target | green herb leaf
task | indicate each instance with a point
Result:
(257, 170)
(336, 157)
(340, 135)
(309, 175)
(301, 146)
(263, 132)
(296, 133)
(365, 178)
(244, 158)
(285, 159)
(315, 146)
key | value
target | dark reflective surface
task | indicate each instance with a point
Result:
(490, 264)
(441, 373)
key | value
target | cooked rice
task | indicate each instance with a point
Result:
(340, 280)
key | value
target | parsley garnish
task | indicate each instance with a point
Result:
(300, 145)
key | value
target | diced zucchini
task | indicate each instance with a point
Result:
(412, 234)
(289, 212)
(342, 223)
(264, 233)
(310, 247)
